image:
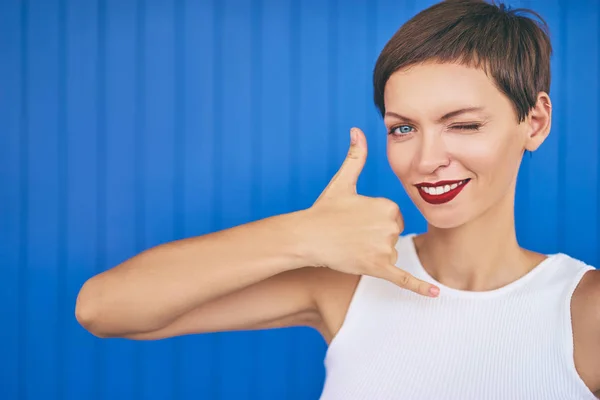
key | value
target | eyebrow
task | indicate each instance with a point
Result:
(445, 117)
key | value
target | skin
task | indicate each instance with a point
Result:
(424, 149)
(459, 249)
(308, 270)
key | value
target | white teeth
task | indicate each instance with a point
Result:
(441, 189)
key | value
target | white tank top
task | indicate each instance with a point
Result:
(511, 343)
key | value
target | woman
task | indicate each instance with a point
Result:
(460, 312)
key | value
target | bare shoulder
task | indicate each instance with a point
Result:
(585, 311)
(332, 292)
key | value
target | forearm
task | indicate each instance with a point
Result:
(152, 289)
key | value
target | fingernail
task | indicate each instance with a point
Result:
(434, 291)
(353, 136)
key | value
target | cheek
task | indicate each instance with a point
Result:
(399, 158)
(476, 156)
(490, 157)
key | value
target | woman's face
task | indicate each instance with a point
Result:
(454, 141)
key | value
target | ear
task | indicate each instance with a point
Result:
(539, 122)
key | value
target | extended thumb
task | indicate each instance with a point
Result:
(355, 160)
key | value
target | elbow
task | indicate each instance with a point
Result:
(88, 311)
(87, 319)
(103, 315)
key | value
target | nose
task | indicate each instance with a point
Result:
(432, 154)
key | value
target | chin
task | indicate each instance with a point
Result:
(441, 217)
(444, 221)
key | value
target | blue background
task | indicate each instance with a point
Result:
(125, 124)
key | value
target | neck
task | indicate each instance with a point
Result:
(479, 256)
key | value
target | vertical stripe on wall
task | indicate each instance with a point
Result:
(12, 115)
(129, 123)
(118, 368)
(581, 132)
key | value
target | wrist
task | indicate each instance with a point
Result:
(297, 239)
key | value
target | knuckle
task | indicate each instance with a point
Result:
(399, 219)
(404, 280)
(400, 226)
(389, 207)
(395, 229)
(394, 256)
(354, 153)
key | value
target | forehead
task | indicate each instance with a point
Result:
(436, 87)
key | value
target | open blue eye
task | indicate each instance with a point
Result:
(401, 130)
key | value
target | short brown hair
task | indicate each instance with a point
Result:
(514, 49)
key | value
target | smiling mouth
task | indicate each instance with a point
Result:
(441, 192)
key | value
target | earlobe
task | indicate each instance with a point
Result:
(540, 122)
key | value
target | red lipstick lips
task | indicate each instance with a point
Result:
(441, 192)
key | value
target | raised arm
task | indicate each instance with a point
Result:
(256, 275)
